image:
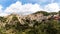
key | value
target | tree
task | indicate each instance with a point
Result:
(53, 13)
(59, 13)
(43, 12)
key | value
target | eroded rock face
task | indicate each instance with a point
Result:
(28, 19)
(15, 22)
(14, 18)
(37, 17)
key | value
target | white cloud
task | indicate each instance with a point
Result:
(3, 14)
(53, 7)
(2, 11)
(1, 8)
(28, 8)
(23, 9)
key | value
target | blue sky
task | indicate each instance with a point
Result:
(6, 3)
(28, 6)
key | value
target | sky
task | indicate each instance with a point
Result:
(25, 7)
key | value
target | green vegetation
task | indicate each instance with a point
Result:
(59, 13)
(2, 19)
(43, 12)
(45, 27)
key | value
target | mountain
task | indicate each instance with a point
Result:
(33, 23)
(14, 18)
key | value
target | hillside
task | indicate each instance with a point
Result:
(37, 23)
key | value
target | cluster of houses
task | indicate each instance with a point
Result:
(40, 17)
(57, 17)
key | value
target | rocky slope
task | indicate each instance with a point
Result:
(13, 22)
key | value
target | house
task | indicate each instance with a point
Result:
(57, 17)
